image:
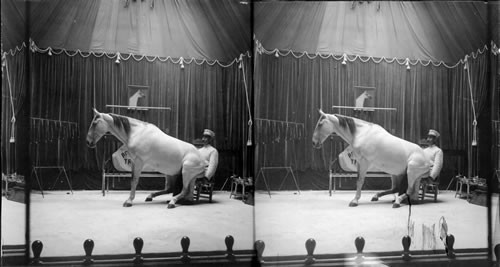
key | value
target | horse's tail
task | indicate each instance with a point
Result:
(403, 185)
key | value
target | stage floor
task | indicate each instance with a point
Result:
(64, 221)
(283, 221)
(287, 219)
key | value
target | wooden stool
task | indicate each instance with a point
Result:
(430, 189)
(204, 189)
(240, 182)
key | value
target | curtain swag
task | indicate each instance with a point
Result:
(261, 50)
(120, 56)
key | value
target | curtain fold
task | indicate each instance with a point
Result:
(66, 88)
(14, 88)
(439, 31)
(291, 89)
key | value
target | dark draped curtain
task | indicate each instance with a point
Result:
(66, 88)
(14, 82)
(495, 117)
(290, 89)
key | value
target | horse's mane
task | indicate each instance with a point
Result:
(347, 123)
(121, 122)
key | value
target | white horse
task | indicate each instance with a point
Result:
(373, 145)
(147, 144)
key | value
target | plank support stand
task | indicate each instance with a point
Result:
(289, 171)
(61, 169)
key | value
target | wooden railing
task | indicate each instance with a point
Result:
(448, 256)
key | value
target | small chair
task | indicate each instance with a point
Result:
(429, 188)
(474, 182)
(244, 183)
(461, 181)
(204, 189)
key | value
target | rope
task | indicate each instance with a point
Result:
(409, 214)
(13, 120)
(250, 122)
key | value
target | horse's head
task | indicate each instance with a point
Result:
(324, 128)
(98, 127)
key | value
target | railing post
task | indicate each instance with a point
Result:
(138, 245)
(359, 242)
(259, 247)
(406, 248)
(497, 254)
(88, 246)
(310, 246)
(37, 247)
(229, 240)
(450, 241)
(185, 241)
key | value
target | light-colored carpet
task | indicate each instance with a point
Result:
(495, 221)
(13, 222)
(284, 222)
(287, 219)
(63, 222)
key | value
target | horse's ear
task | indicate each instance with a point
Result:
(96, 113)
(321, 112)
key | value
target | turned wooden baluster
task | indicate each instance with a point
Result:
(138, 245)
(88, 246)
(185, 241)
(310, 246)
(37, 247)
(229, 240)
(406, 248)
(259, 247)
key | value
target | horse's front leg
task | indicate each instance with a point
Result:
(136, 174)
(191, 167)
(362, 169)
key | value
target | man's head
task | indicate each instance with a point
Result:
(208, 136)
(432, 136)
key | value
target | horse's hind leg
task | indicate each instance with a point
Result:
(187, 186)
(413, 174)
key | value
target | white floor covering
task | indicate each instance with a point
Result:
(287, 219)
(283, 221)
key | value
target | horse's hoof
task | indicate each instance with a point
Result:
(353, 204)
(375, 198)
(149, 199)
(396, 205)
(126, 204)
(170, 206)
